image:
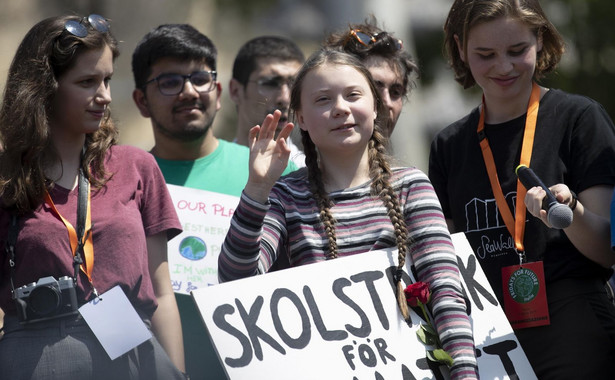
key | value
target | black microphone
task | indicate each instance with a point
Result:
(558, 214)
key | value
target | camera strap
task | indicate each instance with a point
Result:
(10, 246)
(83, 203)
(80, 238)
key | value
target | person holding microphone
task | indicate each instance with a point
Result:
(550, 279)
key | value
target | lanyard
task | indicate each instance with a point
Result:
(516, 226)
(81, 238)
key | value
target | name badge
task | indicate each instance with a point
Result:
(115, 322)
(525, 295)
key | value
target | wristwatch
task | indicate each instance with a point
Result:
(573, 203)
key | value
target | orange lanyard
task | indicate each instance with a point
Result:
(516, 226)
(84, 241)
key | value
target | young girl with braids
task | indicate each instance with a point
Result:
(347, 200)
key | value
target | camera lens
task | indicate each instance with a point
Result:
(44, 300)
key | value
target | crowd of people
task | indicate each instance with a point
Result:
(310, 164)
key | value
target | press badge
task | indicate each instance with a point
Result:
(525, 295)
(115, 322)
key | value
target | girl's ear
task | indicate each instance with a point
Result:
(460, 49)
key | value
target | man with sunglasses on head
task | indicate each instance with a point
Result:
(391, 66)
(176, 86)
(263, 73)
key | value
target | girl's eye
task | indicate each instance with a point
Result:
(485, 56)
(517, 53)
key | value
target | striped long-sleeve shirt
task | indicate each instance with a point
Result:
(289, 224)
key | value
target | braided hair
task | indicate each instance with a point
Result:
(379, 168)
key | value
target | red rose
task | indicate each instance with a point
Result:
(417, 293)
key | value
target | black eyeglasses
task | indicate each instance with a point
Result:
(77, 28)
(269, 86)
(367, 40)
(173, 84)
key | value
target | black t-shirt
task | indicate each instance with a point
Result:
(574, 144)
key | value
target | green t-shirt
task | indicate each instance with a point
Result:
(224, 171)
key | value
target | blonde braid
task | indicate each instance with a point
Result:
(380, 171)
(318, 189)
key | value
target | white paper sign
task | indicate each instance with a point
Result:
(193, 255)
(115, 322)
(339, 320)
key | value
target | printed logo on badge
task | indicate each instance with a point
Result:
(525, 295)
(523, 285)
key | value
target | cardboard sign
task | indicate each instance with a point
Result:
(193, 255)
(339, 320)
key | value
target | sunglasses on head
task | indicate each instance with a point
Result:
(367, 39)
(79, 29)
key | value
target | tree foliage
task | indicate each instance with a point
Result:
(588, 67)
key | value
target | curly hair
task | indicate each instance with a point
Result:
(47, 51)
(384, 46)
(465, 14)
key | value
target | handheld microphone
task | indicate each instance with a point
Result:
(559, 215)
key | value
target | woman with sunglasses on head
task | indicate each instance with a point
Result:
(320, 212)
(505, 47)
(391, 66)
(80, 215)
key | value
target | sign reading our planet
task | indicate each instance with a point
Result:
(193, 255)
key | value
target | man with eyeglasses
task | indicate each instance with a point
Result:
(176, 86)
(263, 72)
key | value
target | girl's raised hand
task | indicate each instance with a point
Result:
(268, 156)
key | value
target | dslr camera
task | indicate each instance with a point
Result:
(46, 299)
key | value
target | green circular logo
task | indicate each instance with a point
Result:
(523, 285)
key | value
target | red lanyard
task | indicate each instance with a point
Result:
(516, 226)
(86, 239)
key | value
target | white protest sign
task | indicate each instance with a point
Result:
(193, 255)
(500, 355)
(339, 320)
